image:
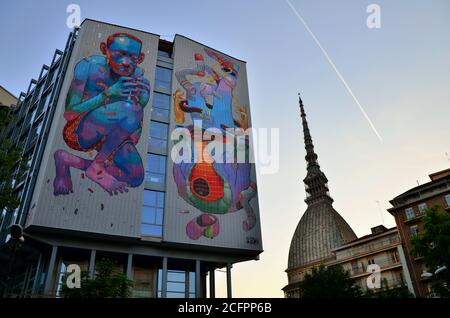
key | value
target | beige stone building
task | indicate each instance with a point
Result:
(323, 237)
(321, 228)
(7, 98)
(383, 248)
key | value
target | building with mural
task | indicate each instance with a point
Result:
(117, 132)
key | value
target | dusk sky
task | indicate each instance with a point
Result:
(400, 73)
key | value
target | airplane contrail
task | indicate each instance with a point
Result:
(335, 69)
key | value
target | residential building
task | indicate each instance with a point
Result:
(408, 210)
(383, 250)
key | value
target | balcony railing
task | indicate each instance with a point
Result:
(363, 270)
(367, 248)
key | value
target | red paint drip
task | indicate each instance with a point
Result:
(82, 176)
(90, 190)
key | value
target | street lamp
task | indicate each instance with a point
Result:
(440, 270)
(434, 276)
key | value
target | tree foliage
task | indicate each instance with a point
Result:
(401, 291)
(109, 282)
(10, 164)
(433, 244)
(328, 282)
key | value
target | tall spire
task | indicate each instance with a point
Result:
(315, 181)
(311, 156)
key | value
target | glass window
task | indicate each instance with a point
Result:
(177, 287)
(191, 284)
(152, 213)
(161, 104)
(447, 199)
(409, 213)
(156, 168)
(414, 230)
(158, 136)
(164, 54)
(163, 78)
(180, 284)
(161, 100)
(176, 276)
(422, 207)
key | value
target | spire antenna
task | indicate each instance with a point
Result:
(316, 182)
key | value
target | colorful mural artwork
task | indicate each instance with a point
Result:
(104, 113)
(212, 187)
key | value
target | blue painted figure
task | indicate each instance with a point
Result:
(104, 112)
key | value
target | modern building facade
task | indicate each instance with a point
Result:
(408, 209)
(382, 247)
(115, 129)
(321, 228)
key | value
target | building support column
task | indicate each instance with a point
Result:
(91, 268)
(26, 280)
(50, 270)
(229, 292)
(212, 283)
(130, 266)
(164, 279)
(406, 274)
(198, 287)
(37, 276)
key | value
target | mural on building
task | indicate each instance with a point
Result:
(213, 188)
(104, 114)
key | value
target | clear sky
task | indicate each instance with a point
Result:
(400, 73)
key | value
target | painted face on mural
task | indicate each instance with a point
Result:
(123, 52)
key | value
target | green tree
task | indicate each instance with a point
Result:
(328, 282)
(10, 163)
(386, 292)
(433, 244)
(109, 282)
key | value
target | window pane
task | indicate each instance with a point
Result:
(192, 282)
(158, 130)
(447, 199)
(160, 203)
(162, 164)
(149, 198)
(163, 54)
(161, 100)
(163, 78)
(158, 136)
(422, 207)
(152, 230)
(176, 276)
(154, 177)
(176, 287)
(148, 215)
(163, 74)
(160, 114)
(156, 168)
(409, 213)
(159, 216)
(159, 279)
(175, 295)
